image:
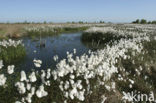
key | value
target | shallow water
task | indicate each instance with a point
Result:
(54, 45)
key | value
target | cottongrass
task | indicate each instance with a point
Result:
(37, 63)
(11, 51)
(78, 79)
(11, 69)
(2, 79)
(1, 64)
(9, 43)
(44, 30)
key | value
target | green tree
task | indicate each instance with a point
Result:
(143, 21)
(25, 22)
(149, 22)
(102, 22)
(153, 22)
(73, 22)
(136, 22)
(44, 22)
(80, 22)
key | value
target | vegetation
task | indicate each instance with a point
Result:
(100, 76)
(11, 51)
(99, 37)
(50, 31)
(139, 68)
(17, 30)
(12, 54)
(143, 21)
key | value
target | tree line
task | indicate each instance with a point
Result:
(46, 22)
(143, 21)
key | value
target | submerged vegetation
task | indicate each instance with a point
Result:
(104, 75)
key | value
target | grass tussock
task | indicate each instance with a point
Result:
(99, 37)
(12, 54)
(141, 69)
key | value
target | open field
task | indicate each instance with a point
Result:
(85, 63)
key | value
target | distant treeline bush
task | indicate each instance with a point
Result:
(143, 21)
(49, 22)
(27, 22)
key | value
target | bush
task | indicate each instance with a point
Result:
(143, 21)
(136, 22)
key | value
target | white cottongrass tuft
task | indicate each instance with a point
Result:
(11, 69)
(21, 87)
(32, 77)
(37, 63)
(41, 92)
(18, 102)
(23, 76)
(10, 42)
(55, 57)
(1, 64)
(2, 80)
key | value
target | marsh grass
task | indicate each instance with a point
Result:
(52, 31)
(56, 95)
(146, 59)
(18, 30)
(100, 38)
(12, 54)
(54, 92)
(141, 84)
(9, 93)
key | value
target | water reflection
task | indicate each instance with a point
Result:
(56, 45)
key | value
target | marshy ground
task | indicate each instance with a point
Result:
(77, 63)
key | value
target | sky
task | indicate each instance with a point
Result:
(76, 10)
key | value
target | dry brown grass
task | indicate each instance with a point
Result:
(11, 30)
(14, 30)
(17, 30)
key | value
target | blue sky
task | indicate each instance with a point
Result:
(76, 10)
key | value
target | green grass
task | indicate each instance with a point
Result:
(99, 37)
(149, 69)
(12, 54)
(73, 29)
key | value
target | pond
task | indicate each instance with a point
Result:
(54, 45)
